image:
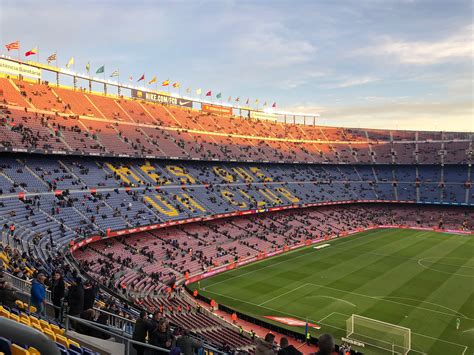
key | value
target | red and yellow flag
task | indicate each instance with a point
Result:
(32, 51)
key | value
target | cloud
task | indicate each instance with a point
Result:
(273, 45)
(455, 47)
(345, 83)
(397, 114)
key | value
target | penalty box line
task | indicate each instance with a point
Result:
(464, 347)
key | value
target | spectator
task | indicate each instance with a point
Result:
(7, 293)
(287, 349)
(57, 292)
(265, 346)
(325, 344)
(90, 293)
(93, 316)
(75, 297)
(38, 293)
(160, 335)
(187, 344)
(142, 326)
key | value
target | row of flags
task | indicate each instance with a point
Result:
(101, 70)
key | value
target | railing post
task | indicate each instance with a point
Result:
(127, 347)
(66, 323)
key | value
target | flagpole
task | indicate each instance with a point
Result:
(118, 82)
(37, 55)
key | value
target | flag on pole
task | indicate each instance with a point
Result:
(115, 73)
(247, 102)
(100, 70)
(274, 105)
(51, 58)
(219, 95)
(257, 101)
(229, 99)
(237, 99)
(265, 103)
(209, 93)
(32, 51)
(176, 85)
(198, 91)
(141, 78)
(130, 78)
(166, 82)
(13, 46)
(88, 67)
(70, 63)
(153, 80)
(188, 90)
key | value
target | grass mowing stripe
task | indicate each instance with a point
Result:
(272, 264)
(384, 263)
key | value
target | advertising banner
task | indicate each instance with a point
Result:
(262, 116)
(159, 98)
(216, 109)
(14, 68)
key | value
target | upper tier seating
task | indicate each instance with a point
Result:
(49, 118)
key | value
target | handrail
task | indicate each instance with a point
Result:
(24, 285)
(125, 340)
(23, 334)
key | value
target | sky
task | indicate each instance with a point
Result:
(404, 64)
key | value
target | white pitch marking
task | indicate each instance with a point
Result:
(283, 294)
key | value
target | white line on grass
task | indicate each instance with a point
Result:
(420, 262)
(421, 335)
(328, 316)
(435, 304)
(283, 294)
(395, 302)
(329, 325)
(335, 299)
(356, 237)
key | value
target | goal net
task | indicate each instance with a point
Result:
(374, 333)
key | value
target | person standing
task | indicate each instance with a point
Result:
(90, 292)
(57, 292)
(187, 344)
(142, 326)
(75, 298)
(38, 293)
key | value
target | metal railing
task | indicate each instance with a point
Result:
(120, 337)
(23, 285)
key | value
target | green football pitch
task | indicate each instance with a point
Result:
(416, 279)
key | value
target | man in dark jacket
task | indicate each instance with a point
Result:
(160, 336)
(7, 293)
(75, 298)
(142, 326)
(90, 292)
(287, 349)
(187, 344)
(57, 292)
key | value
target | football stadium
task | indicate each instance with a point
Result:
(152, 202)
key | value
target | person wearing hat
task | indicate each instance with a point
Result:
(38, 293)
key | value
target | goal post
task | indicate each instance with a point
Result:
(391, 338)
